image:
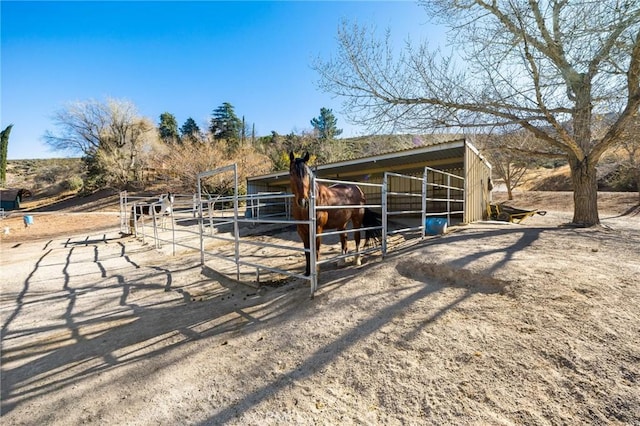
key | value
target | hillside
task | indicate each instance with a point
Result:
(48, 179)
(55, 183)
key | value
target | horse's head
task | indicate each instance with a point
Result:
(300, 176)
(167, 202)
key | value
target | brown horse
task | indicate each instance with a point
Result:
(348, 195)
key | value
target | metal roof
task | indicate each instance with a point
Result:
(445, 155)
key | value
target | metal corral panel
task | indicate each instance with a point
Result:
(457, 157)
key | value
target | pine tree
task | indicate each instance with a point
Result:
(190, 131)
(225, 124)
(326, 125)
(168, 128)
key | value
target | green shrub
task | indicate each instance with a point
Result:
(72, 183)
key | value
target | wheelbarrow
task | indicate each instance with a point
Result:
(506, 213)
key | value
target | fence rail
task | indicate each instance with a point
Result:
(210, 223)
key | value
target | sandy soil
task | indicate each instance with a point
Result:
(492, 323)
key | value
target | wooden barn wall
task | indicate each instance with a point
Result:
(476, 185)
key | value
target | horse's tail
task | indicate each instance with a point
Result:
(372, 219)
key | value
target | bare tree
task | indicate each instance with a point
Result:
(187, 160)
(508, 156)
(546, 66)
(110, 135)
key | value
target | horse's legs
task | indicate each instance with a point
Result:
(304, 236)
(343, 244)
(357, 223)
(356, 237)
(318, 241)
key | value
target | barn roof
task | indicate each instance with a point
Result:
(445, 155)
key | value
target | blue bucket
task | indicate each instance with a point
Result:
(435, 225)
(28, 220)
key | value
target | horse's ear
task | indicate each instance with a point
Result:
(306, 157)
(291, 156)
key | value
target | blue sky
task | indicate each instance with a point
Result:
(186, 58)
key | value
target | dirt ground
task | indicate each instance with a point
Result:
(492, 323)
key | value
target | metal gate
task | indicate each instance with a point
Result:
(217, 219)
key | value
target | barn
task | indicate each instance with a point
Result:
(456, 176)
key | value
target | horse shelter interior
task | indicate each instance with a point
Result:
(460, 193)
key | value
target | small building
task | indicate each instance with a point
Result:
(456, 158)
(10, 199)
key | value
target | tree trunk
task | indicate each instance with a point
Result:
(585, 192)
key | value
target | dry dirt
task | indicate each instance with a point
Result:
(492, 323)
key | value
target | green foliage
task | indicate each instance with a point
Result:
(4, 147)
(72, 183)
(95, 174)
(168, 128)
(190, 131)
(225, 124)
(326, 125)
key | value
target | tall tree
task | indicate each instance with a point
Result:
(544, 65)
(112, 137)
(190, 131)
(225, 124)
(168, 128)
(4, 148)
(326, 125)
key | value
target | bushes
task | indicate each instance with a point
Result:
(72, 183)
(621, 178)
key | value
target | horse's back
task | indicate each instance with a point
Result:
(342, 194)
(345, 195)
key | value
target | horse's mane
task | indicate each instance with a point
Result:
(300, 168)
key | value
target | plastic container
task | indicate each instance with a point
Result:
(435, 225)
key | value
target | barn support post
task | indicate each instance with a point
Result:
(423, 217)
(385, 225)
(448, 199)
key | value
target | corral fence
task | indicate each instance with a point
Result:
(230, 227)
